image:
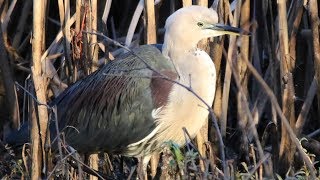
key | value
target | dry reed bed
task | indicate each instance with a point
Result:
(267, 99)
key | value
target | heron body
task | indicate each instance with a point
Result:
(116, 106)
(127, 108)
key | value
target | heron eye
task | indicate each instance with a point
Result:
(200, 24)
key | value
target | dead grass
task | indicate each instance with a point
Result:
(267, 98)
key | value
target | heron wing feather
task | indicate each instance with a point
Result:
(112, 107)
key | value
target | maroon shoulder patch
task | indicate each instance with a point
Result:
(161, 88)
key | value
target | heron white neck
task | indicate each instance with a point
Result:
(178, 47)
(184, 109)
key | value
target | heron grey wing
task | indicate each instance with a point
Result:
(112, 107)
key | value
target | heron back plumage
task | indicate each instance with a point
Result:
(112, 108)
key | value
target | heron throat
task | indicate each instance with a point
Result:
(175, 47)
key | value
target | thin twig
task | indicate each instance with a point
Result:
(266, 157)
(134, 22)
(32, 96)
(60, 162)
(306, 107)
(131, 172)
(5, 21)
(55, 113)
(21, 25)
(228, 73)
(245, 106)
(314, 18)
(9, 85)
(314, 133)
(106, 11)
(287, 126)
(88, 169)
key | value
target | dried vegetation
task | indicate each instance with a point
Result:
(267, 99)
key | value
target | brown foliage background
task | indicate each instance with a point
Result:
(267, 99)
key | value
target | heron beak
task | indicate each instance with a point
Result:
(225, 29)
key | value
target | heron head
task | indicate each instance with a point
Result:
(193, 23)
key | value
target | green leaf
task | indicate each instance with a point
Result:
(175, 149)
